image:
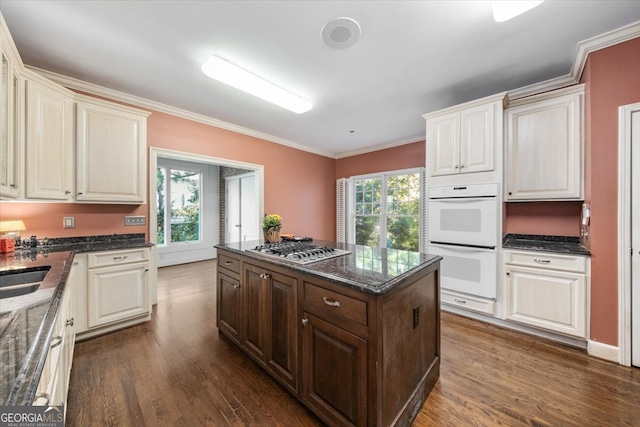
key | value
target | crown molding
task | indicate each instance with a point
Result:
(583, 49)
(410, 140)
(94, 89)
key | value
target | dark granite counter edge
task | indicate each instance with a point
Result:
(26, 384)
(334, 279)
(541, 243)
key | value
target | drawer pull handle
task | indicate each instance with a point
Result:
(43, 395)
(304, 322)
(58, 341)
(228, 263)
(236, 286)
(120, 258)
(459, 301)
(331, 302)
(70, 321)
(542, 261)
(264, 276)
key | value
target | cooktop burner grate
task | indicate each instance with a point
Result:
(298, 252)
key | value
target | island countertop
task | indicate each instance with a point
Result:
(369, 269)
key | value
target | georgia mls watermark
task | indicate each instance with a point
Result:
(32, 416)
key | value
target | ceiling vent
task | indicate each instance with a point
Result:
(341, 33)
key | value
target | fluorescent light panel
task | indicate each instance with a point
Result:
(505, 10)
(232, 75)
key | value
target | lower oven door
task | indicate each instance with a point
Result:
(469, 270)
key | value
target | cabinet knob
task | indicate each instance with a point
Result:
(508, 274)
(14, 186)
(510, 193)
(461, 166)
(70, 322)
(264, 276)
(80, 192)
(236, 286)
(68, 192)
(457, 166)
(305, 322)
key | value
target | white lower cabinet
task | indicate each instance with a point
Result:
(547, 291)
(54, 381)
(116, 290)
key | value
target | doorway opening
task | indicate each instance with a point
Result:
(188, 205)
(629, 234)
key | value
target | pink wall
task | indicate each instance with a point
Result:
(613, 80)
(298, 185)
(550, 218)
(396, 158)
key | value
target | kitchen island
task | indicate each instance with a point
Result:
(356, 338)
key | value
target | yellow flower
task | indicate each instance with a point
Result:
(272, 221)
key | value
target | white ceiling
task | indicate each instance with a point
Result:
(413, 57)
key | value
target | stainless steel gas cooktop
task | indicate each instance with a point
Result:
(299, 252)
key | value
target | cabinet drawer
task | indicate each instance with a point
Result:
(228, 263)
(341, 305)
(547, 260)
(468, 303)
(103, 259)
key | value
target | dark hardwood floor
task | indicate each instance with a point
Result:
(177, 371)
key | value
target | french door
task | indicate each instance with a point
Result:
(242, 208)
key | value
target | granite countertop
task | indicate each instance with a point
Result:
(26, 322)
(26, 326)
(368, 269)
(540, 243)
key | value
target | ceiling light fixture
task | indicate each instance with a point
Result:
(232, 75)
(505, 10)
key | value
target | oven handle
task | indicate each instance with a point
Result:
(457, 200)
(463, 248)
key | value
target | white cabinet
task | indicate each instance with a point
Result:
(117, 286)
(54, 381)
(547, 291)
(545, 146)
(111, 152)
(10, 103)
(48, 139)
(465, 138)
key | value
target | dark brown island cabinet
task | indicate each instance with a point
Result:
(355, 338)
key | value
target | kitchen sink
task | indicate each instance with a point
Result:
(14, 283)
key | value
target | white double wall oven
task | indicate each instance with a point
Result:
(462, 224)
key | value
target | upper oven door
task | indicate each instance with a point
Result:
(464, 221)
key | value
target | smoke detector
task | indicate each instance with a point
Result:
(341, 33)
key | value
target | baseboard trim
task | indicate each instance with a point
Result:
(603, 351)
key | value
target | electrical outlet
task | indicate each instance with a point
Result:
(69, 222)
(135, 220)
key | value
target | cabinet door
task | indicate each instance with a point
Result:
(544, 150)
(255, 312)
(9, 129)
(229, 308)
(477, 139)
(111, 154)
(283, 343)
(49, 143)
(443, 140)
(334, 373)
(547, 299)
(117, 293)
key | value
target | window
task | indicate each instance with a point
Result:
(183, 204)
(387, 210)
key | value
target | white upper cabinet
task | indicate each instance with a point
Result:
(466, 139)
(49, 139)
(111, 152)
(545, 146)
(10, 105)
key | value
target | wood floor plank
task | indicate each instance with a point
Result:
(177, 371)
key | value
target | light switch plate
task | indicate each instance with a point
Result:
(69, 222)
(135, 220)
